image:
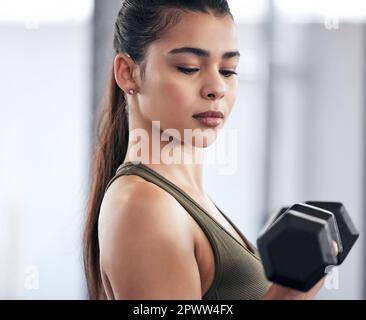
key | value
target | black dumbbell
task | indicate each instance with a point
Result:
(347, 230)
(297, 246)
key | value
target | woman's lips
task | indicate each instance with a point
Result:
(209, 121)
(210, 113)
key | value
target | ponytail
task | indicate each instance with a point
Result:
(109, 153)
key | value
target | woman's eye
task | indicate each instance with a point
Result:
(225, 73)
(228, 73)
(187, 70)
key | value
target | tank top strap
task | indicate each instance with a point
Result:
(137, 168)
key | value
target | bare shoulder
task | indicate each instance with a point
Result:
(133, 200)
(146, 243)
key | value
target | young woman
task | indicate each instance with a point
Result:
(151, 230)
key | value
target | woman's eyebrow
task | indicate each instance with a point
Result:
(203, 53)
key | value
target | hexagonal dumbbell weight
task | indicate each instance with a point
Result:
(347, 231)
(297, 246)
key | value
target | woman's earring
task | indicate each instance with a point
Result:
(131, 91)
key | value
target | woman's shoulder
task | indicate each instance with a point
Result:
(132, 202)
(134, 192)
(142, 231)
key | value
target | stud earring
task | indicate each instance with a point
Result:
(131, 91)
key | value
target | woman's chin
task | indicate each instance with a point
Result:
(204, 141)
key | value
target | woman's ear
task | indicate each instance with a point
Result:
(123, 72)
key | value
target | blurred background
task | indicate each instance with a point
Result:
(299, 117)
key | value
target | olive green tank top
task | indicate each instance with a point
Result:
(239, 274)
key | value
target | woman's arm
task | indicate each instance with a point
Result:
(147, 248)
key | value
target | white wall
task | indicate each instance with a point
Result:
(44, 132)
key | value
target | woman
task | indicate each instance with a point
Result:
(151, 230)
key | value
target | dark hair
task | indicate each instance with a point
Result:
(138, 23)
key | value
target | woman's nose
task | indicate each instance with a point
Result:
(213, 93)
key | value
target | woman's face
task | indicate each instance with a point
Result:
(172, 95)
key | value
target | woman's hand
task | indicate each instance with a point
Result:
(278, 292)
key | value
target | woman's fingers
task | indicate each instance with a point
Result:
(335, 246)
